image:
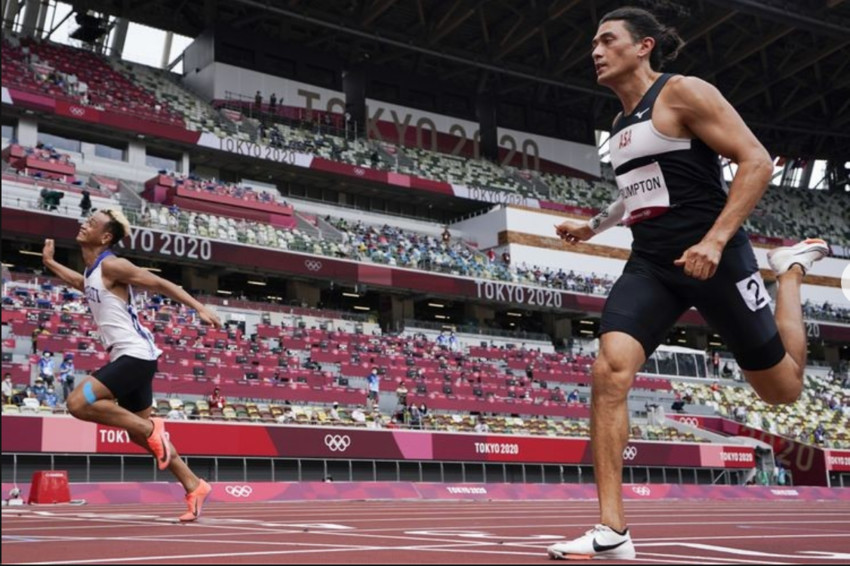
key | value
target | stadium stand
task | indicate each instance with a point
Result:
(79, 76)
(820, 417)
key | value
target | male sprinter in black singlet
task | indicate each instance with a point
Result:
(689, 248)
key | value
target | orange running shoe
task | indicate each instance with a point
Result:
(159, 445)
(195, 502)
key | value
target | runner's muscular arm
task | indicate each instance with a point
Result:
(572, 231)
(66, 274)
(701, 108)
(122, 271)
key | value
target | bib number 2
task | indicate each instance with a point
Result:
(753, 291)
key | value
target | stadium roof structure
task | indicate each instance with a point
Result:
(784, 65)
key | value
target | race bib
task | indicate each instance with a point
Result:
(753, 291)
(644, 192)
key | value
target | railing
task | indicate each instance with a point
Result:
(411, 324)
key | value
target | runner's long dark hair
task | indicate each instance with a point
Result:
(642, 23)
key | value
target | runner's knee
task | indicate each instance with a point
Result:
(611, 380)
(77, 404)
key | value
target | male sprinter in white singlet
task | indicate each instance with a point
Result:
(128, 377)
(688, 249)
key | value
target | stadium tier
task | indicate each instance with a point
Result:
(147, 94)
(80, 77)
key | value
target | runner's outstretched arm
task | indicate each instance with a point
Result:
(66, 274)
(123, 271)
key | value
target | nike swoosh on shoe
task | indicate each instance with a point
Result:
(605, 547)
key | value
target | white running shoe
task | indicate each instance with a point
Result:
(803, 254)
(600, 543)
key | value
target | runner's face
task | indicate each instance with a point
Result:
(615, 53)
(93, 231)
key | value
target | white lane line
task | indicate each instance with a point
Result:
(176, 558)
(164, 521)
(760, 553)
(347, 548)
(382, 517)
(740, 537)
(717, 559)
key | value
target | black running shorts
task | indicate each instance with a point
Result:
(130, 380)
(649, 298)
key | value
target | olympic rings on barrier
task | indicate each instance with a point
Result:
(337, 442)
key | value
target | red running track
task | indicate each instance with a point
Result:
(422, 532)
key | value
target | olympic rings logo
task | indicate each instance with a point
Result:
(641, 490)
(77, 111)
(359, 171)
(312, 264)
(337, 443)
(691, 421)
(239, 490)
(630, 453)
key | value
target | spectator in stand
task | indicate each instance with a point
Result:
(50, 399)
(454, 344)
(819, 436)
(715, 364)
(401, 393)
(415, 416)
(779, 473)
(333, 414)
(7, 388)
(272, 103)
(66, 375)
(740, 414)
(217, 400)
(447, 236)
(21, 394)
(46, 367)
(38, 390)
(258, 103)
(85, 204)
(374, 384)
(176, 414)
(35, 334)
(573, 396)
